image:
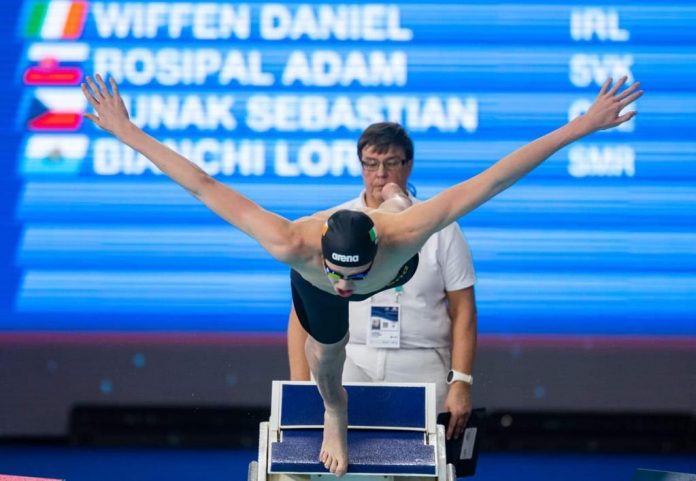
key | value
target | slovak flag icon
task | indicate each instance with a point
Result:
(55, 64)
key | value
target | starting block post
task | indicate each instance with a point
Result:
(392, 434)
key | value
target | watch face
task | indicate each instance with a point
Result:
(450, 375)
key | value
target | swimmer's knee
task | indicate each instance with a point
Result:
(320, 350)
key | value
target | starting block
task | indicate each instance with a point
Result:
(392, 434)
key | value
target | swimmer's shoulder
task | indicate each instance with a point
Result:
(395, 230)
(386, 225)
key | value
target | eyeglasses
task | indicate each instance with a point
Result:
(389, 164)
(337, 276)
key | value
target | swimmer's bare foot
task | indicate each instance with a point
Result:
(334, 448)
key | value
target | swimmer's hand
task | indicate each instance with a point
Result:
(111, 113)
(605, 112)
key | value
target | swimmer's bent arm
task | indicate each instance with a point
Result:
(280, 237)
(416, 224)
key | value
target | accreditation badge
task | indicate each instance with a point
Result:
(384, 328)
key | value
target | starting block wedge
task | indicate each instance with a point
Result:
(392, 434)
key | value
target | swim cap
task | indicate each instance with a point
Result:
(349, 239)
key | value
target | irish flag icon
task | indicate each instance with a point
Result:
(56, 19)
(55, 63)
(56, 110)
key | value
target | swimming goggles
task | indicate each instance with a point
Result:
(337, 276)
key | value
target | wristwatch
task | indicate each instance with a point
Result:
(453, 376)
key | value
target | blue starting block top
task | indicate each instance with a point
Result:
(373, 451)
(391, 407)
(387, 429)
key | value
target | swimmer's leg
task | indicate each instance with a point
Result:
(395, 199)
(326, 364)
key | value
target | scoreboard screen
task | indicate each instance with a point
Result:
(270, 98)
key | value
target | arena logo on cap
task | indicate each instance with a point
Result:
(344, 258)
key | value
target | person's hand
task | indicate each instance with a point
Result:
(458, 404)
(111, 111)
(606, 109)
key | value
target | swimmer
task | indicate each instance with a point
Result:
(346, 255)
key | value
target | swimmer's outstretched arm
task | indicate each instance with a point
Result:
(280, 237)
(419, 222)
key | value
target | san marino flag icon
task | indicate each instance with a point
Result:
(54, 154)
(56, 19)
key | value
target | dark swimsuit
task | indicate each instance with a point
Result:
(325, 316)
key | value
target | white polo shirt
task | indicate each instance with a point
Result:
(444, 265)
